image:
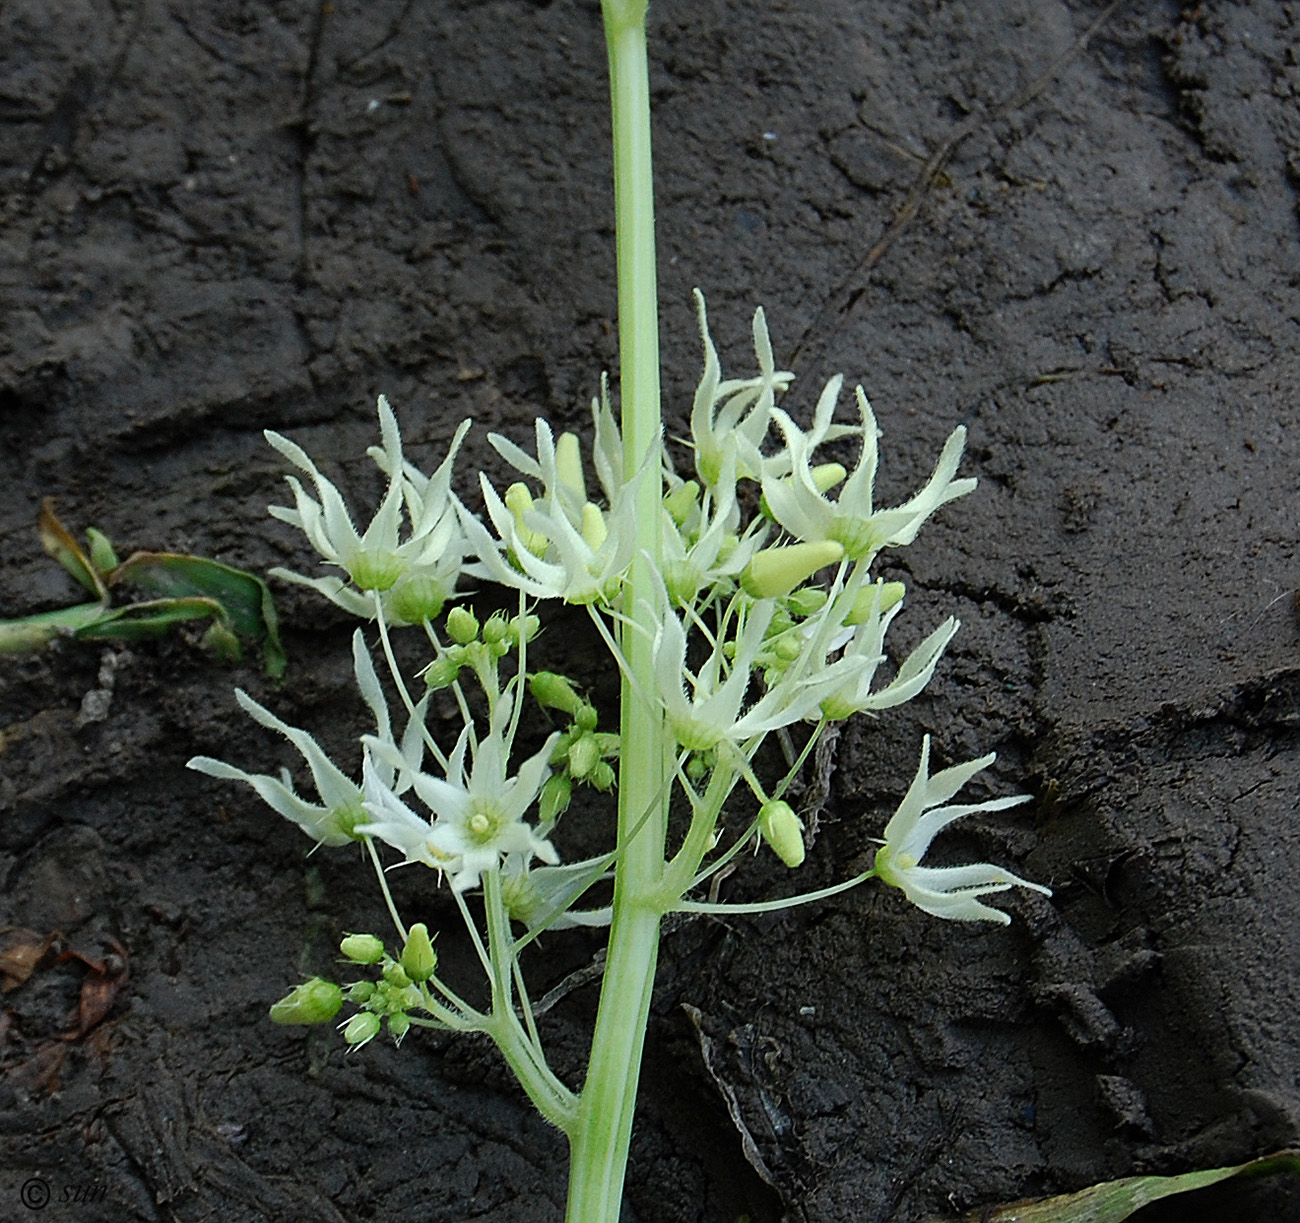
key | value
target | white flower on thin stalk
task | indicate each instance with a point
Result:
(334, 819)
(951, 892)
(414, 576)
(706, 707)
(798, 501)
(867, 642)
(478, 812)
(730, 419)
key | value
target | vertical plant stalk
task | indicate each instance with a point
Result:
(600, 1138)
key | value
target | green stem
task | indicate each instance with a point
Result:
(600, 1139)
(551, 1097)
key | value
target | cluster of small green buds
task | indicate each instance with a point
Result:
(396, 992)
(582, 753)
(477, 645)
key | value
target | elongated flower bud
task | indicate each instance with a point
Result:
(418, 956)
(681, 502)
(584, 755)
(314, 1001)
(774, 572)
(568, 463)
(362, 948)
(891, 594)
(554, 691)
(362, 1027)
(783, 831)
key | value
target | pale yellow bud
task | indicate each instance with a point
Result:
(775, 572)
(783, 831)
(568, 463)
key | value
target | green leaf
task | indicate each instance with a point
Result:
(152, 619)
(243, 597)
(29, 633)
(1114, 1201)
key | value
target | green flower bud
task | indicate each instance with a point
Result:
(314, 1001)
(395, 975)
(362, 1027)
(594, 530)
(519, 501)
(462, 625)
(496, 629)
(568, 463)
(602, 777)
(362, 948)
(398, 1026)
(415, 598)
(807, 601)
(418, 956)
(553, 691)
(891, 594)
(681, 502)
(442, 672)
(586, 717)
(584, 756)
(787, 647)
(826, 476)
(836, 709)
(102, 555)
(556, 794)
(360, 991)
(375, 570)
(775, 572)
(682, 581)
(783, 831)
(223, 642)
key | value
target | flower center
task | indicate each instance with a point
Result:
(856, 535)
(483, 824)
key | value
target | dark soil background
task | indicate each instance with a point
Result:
(221, 218)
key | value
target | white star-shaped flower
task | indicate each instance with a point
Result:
(412, 576)
(478, 813)
(951, 892)
(334, 820)
(798, 503)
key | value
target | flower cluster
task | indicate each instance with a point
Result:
(764, 614)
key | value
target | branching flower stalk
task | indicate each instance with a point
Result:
(727, 627)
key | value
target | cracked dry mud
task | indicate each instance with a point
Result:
(222, 218)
